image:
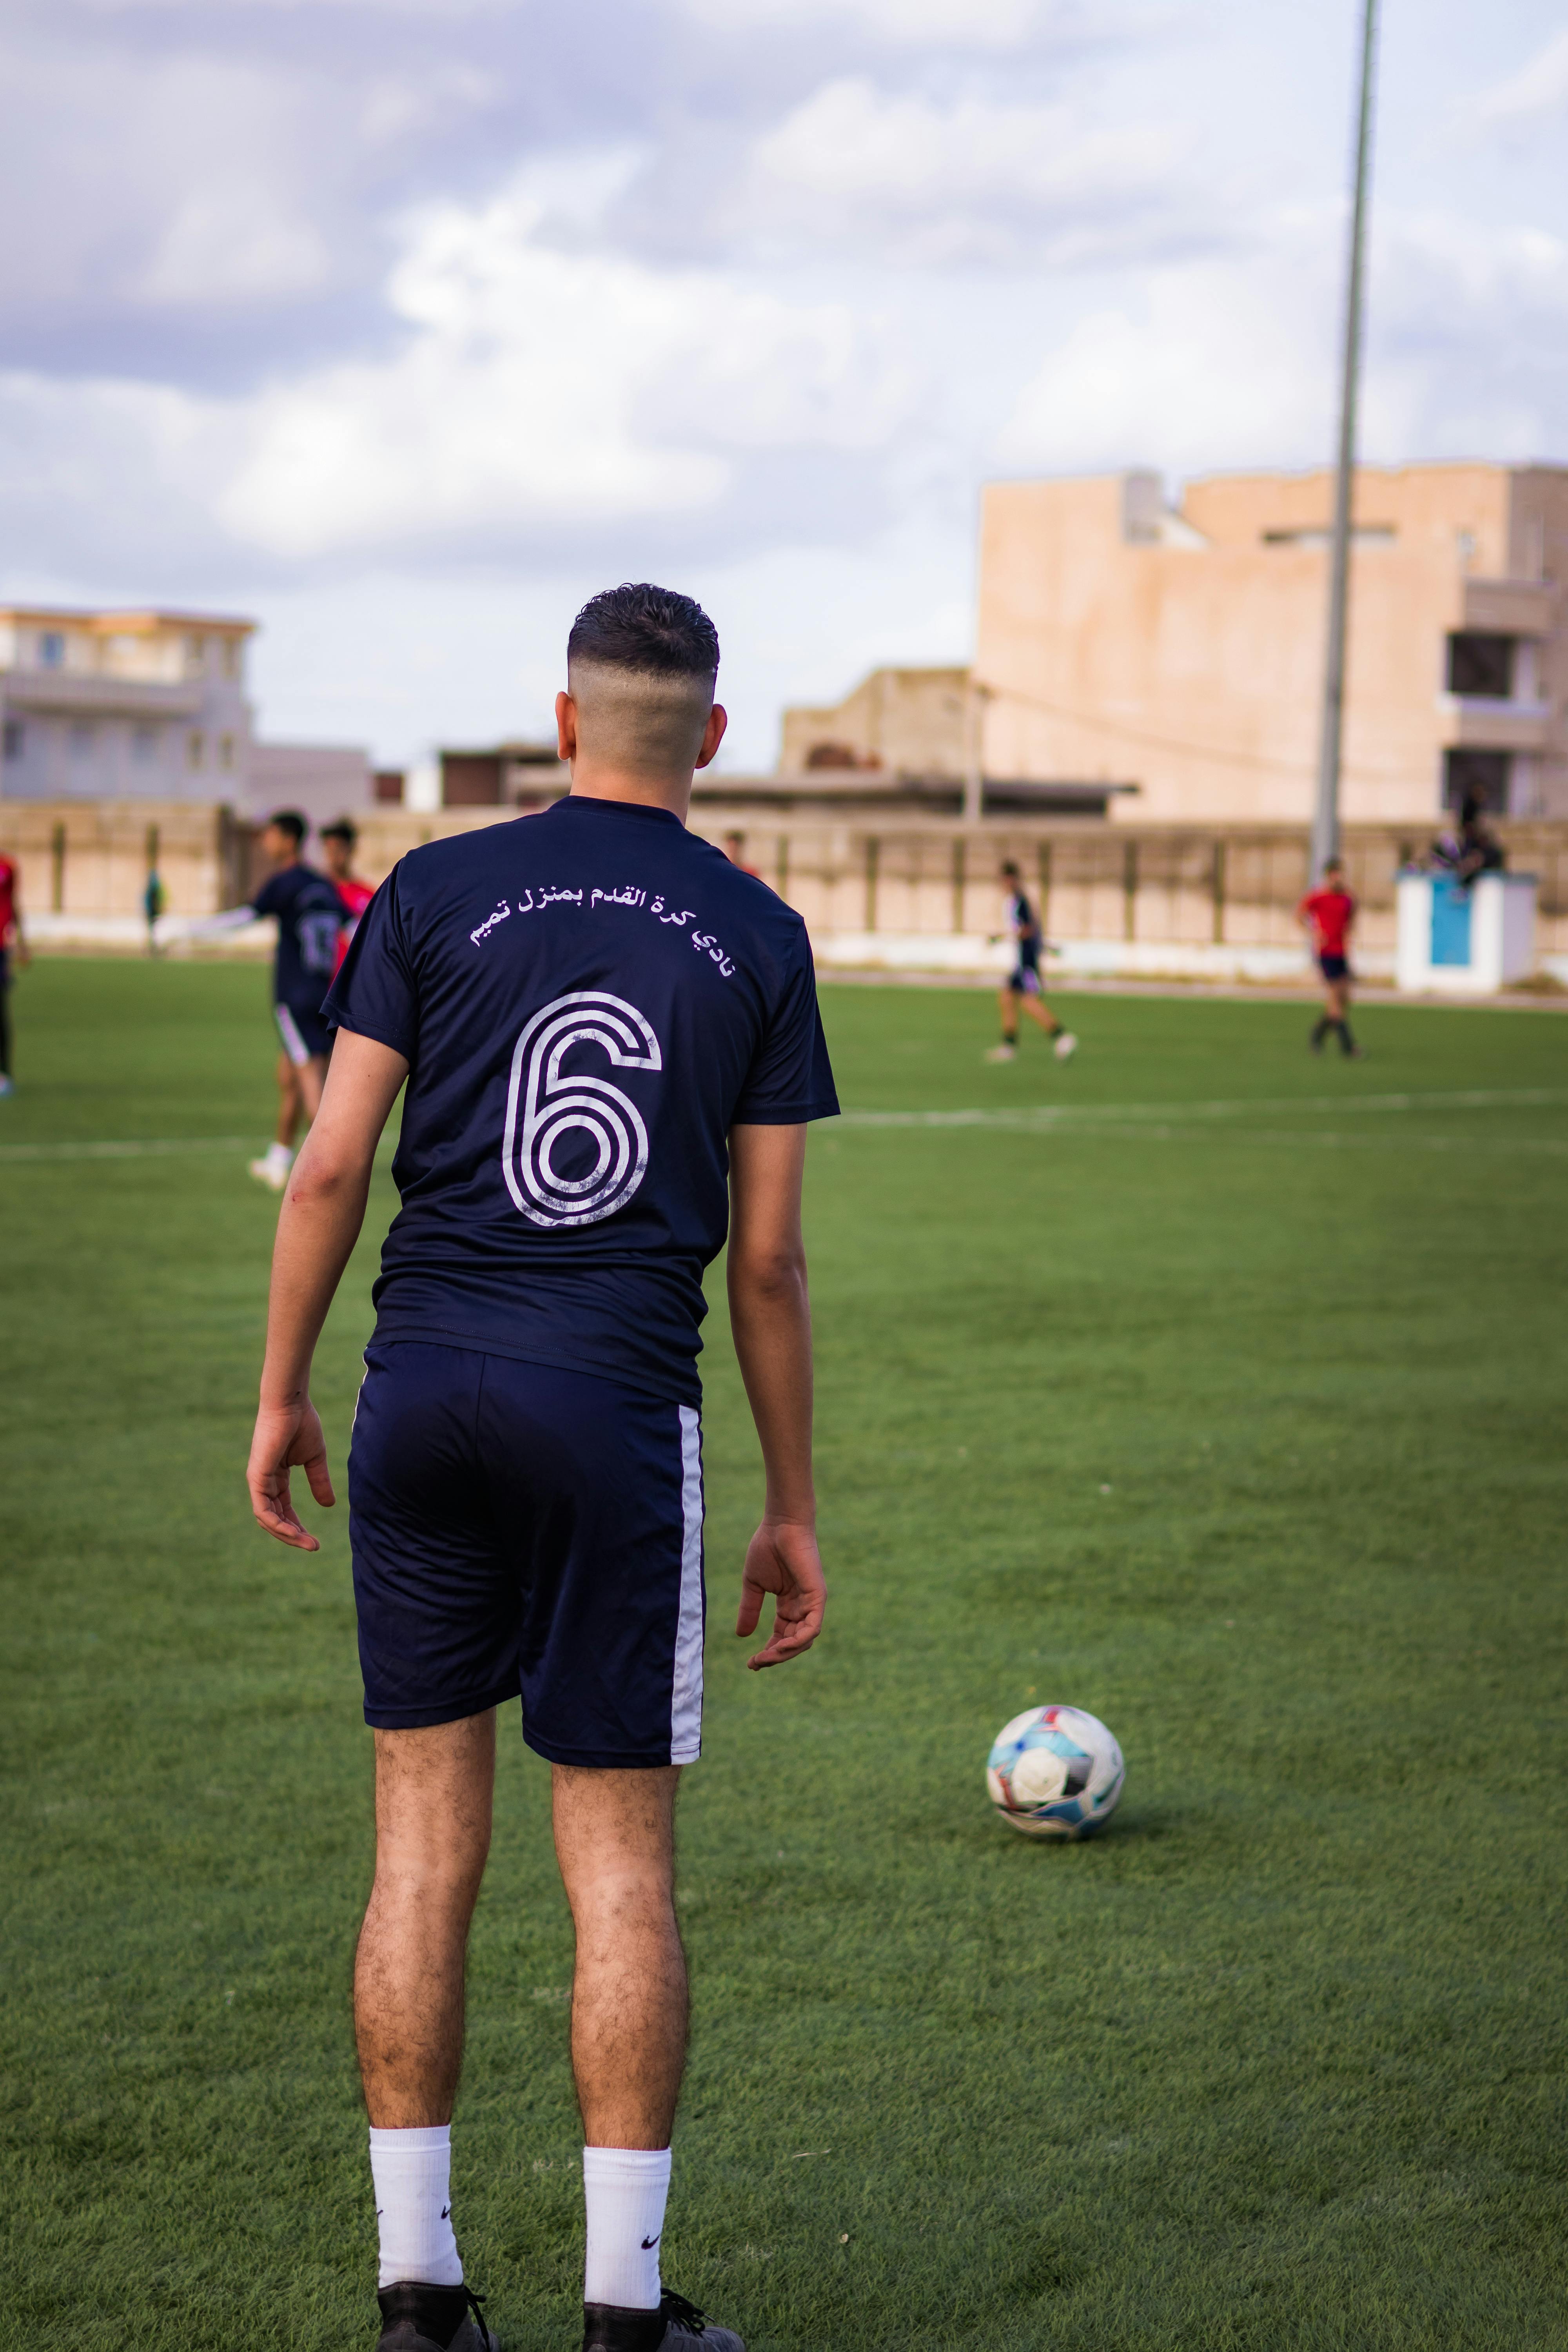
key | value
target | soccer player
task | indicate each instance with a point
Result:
(339, 843)
(13, 941)
(311, 918)
(1326, 915)
(599, 1019)
(1023, 986)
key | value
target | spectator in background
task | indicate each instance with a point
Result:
(13, 941)
(154, 901)
(339, 843)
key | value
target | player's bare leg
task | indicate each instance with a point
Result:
(272, 1168)
(615, 1840)
(298, 1100)
(1336, 1019)
(433, 1798)
(1007, 1004)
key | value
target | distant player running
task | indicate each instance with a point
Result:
(1326, 915)
(310, 916)
(1024, 989)
(13, 941)
(611, 1046)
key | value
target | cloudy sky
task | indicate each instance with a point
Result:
(404, 324)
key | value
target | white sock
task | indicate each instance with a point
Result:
(280, 1158)
(412, 2171)
(626, 2190)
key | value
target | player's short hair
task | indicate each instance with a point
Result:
(1009, 866)
(339, 830)
(638, 626)
(290, 822)
(1334, 864)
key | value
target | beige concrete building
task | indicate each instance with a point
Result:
(909, 723)
(1183, 649)
(152, 706)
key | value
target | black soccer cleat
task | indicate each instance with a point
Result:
(676, 2327)
(416, 2317)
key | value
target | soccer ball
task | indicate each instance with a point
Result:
(1054, 1772)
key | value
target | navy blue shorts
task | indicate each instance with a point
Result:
(520, 1529)
(1023, 979)
(1334, 967)
(304, 1033)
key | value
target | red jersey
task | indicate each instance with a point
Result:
(1330, 914)
(356, 896)
(8, 901)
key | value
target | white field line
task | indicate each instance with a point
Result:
(1042, 1116)
(142, 1148)
(1315, 1139)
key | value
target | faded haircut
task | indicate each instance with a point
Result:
(641, 662)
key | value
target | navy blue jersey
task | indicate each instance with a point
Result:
(1027, 932)
(588, 1001)
(311, 920)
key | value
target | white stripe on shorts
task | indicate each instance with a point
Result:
(294, 1046)
(686, 1699)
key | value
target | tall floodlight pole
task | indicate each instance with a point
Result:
(1326, 816)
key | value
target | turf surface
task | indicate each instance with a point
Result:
(1227, 1403)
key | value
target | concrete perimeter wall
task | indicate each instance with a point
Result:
(924, 893)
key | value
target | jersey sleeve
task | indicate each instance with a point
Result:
(376, 992)
(791, 1079)
(272, 899)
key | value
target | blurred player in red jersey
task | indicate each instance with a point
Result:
(12, 940)
(337, 844)
(1326, 914)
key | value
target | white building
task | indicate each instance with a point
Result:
(151, 706)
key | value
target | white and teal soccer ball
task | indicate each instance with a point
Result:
(1054, 1772)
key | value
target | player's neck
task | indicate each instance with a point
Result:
(592, 782)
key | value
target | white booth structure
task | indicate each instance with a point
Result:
(1465, 943)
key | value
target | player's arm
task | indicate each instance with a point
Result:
(324, 1209)
(24, 953)
(771, 1318)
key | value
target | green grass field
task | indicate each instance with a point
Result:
(1228, 1403)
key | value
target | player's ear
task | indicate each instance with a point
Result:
(565, 727)
(712, 734)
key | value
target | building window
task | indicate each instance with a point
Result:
(51, 649)
(143, 744)
(231, 656)
(196, 652)
(1477, 780)
(83, 736)
(1481, 666)
(195, 751)
(225, 751)
(15, 739)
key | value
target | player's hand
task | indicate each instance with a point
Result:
(782, 1559)
(286, 1436)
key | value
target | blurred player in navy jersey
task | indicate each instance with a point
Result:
(611, 1044)
(1024, 988)
(310, 916)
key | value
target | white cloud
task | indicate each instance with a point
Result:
(541, 386)
(534, 391)
(231, 244)
(1533, 95)
(975, 177)
(1235, 362)
(972, 24)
